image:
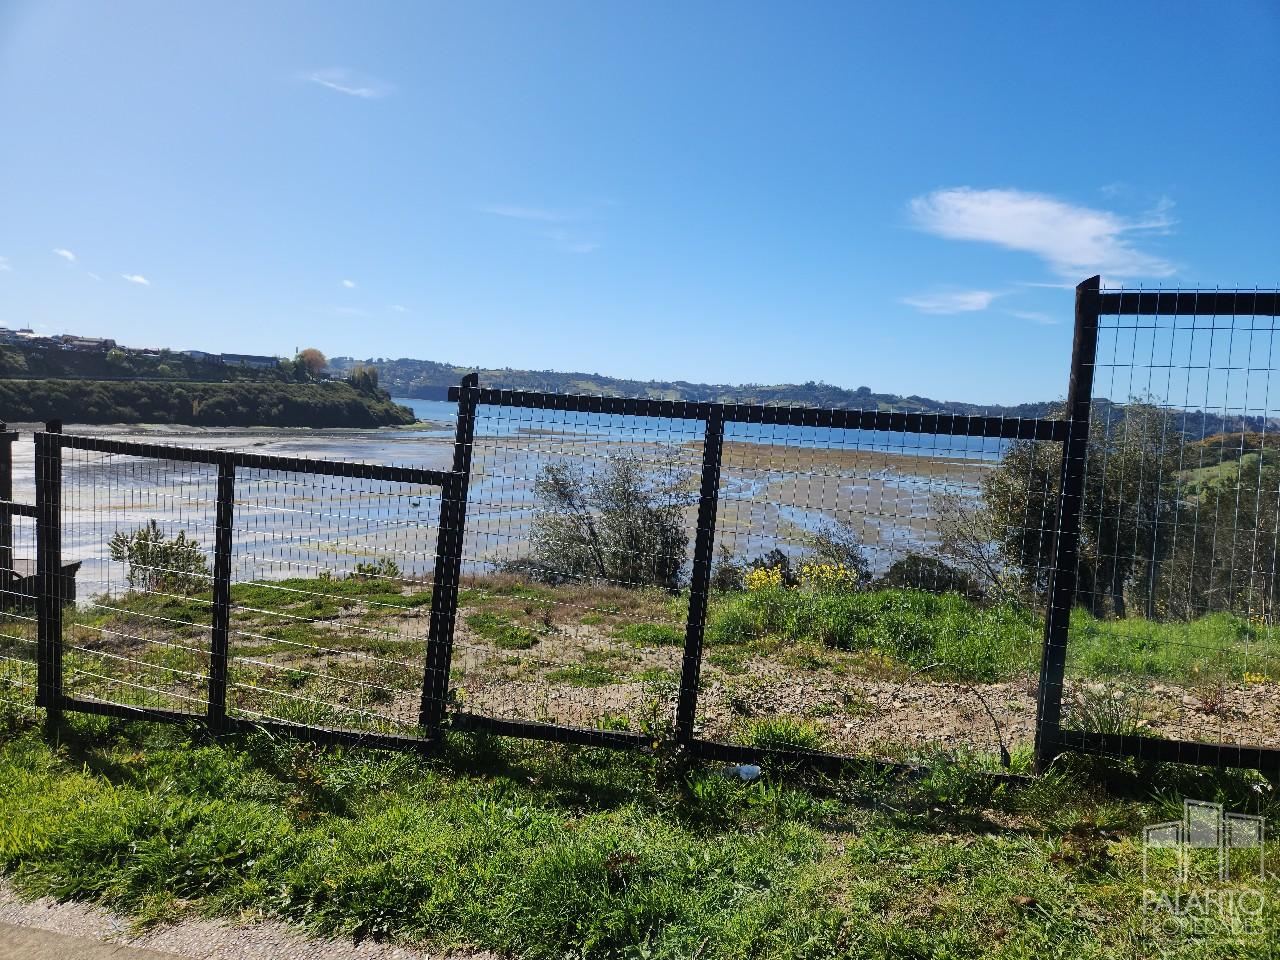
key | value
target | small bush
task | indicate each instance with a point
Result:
(383, 568)
(159, 564)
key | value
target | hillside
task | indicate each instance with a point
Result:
(430, 380)
(330, 403)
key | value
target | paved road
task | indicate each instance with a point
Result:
(28, 943)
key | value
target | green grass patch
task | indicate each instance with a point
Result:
(501, 631)
(1217, 646)
(540, 851)
(650, 635)
(949, 634)
(784, 733)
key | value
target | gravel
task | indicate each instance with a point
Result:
(204, 939)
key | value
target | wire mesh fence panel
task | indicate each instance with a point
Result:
(18, 627)
(135, 581)
(579, 537)
(863, 601)
(1174, 634)
(330, 598)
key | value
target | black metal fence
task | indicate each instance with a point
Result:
(1165, 640)
(739, 581)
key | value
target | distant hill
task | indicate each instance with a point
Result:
(430, 380)
(48, 382)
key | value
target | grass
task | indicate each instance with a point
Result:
(650, 635)
(784, 733)
(946, 634)
(503, 632)
(951, 637)
(540, 851)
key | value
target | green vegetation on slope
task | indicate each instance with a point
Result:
(329, 403)
(541, 851)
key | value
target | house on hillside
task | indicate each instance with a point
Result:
(87, 344)
(249, 360)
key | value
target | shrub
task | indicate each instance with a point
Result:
(623, 524)
(160, 564)
(383, 568)
(919, 571)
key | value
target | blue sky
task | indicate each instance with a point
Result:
(891, 194)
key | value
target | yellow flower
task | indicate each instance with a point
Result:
(828, 576)
(762, 578)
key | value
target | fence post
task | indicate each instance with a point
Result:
(49, 569)
(219, 635)
(448, 567)
(700, 579)
(1066, 541)
(7, 437)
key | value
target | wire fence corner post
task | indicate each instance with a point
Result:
(448, 564)
(700, 578)
(48, 469)
(219, 639)
(1066, 539)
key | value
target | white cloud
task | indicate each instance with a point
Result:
(136, 278)
(957, 301)
(349, 284)
(1034, 316)
(94, 275)
(399, 308)
(1074, 241)
(538, 214)
(65, 254)
(4, 264)
(352, 84)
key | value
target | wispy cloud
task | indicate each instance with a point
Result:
(570, 232)
(65, 254)
(538, 214)
(349, 284)
(1034, 316)
(4, 264)
(136, 278)
(954, 301)
(571, 242)
(351, 83)
(93, 275)
(1073, 240)
(399, 308)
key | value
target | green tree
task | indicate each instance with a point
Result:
(1129, 510)
(621, 524)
